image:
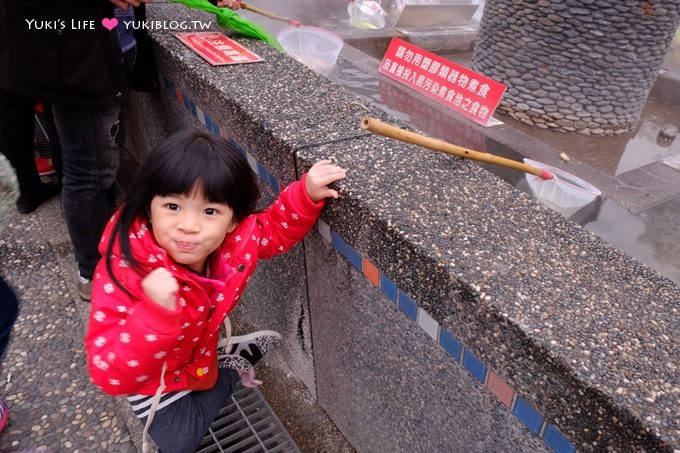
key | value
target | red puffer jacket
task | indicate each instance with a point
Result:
(129, 337)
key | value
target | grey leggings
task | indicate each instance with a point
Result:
(181, 426)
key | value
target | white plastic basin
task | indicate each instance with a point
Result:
(314, 47)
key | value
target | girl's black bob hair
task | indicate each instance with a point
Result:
(186, 160)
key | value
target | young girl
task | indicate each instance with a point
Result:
(176, 257)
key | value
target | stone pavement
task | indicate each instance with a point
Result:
(43, 378)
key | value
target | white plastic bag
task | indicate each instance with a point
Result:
(565, 193)
(395, 9)
(367, 14)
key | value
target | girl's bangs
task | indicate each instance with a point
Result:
(197, 169)
(217, 184)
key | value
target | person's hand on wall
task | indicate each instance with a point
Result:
(123, 4)
(231, 4)
(320, 176)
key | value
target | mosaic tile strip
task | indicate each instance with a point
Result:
(491, 381)
(216, 129)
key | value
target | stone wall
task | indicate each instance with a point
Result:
(584, 66)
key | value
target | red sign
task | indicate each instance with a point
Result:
(471, 94)
(431, 119)
(217, 49)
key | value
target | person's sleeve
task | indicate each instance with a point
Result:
(127, 340)
(9, 190)
(288, 219)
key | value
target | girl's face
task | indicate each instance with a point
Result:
(189, 227)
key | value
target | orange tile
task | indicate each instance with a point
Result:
(498, 387)
(371, 272)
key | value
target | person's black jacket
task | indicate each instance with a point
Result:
(44, 55)
(145, 73)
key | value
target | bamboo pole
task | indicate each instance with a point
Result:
(379, 127)
(265, 13)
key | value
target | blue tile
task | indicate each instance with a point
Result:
(210, 124)
(240, 148)
(262, 171)
(474, 366)
(451, 344)
(190, 105)
(339, 243)
(556, 440)
(275, 185)
(388, 287)
(355, 258)
(528, 415)
(408, 305)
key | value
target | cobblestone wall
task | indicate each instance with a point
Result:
(584, 66)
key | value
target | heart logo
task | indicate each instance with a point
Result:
(109, 24)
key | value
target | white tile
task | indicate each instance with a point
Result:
(324, 230)
(253, 163)
(428, 323)
(200, 115)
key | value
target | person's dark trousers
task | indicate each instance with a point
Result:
(17, 127)
(9, 308)
(90, 158)
(181, 426)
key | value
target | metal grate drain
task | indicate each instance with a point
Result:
(247, 425)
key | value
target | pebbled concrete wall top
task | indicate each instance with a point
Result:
(585, 333)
